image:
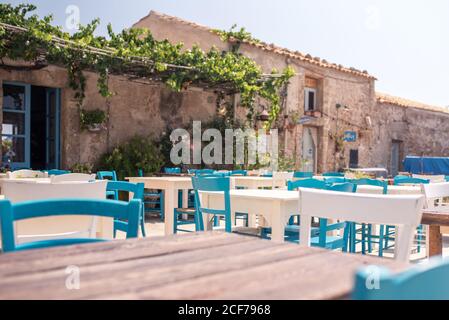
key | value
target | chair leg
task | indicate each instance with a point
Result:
(370, 238)
(364, 239)
(381, 240)
(142, 223)
(228, 224)
(175, 223)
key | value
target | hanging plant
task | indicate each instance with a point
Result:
(92, 120)
(136, 53)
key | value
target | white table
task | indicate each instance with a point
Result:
(276, 206)
(171, 185)
(392, 190)
(252, 182)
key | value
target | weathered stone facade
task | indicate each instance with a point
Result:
(147, 109)
(134, 109)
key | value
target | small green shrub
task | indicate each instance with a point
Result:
(91, 117)
(82, 168)
(128, 158)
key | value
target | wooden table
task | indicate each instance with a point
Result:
(435, 220)
(195, 266)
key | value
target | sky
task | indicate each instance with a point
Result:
(403, 43)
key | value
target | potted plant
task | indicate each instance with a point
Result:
(92, 120)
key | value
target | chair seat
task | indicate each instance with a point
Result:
(185, 211)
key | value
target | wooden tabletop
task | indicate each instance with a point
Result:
(438, 217)
(194, 266)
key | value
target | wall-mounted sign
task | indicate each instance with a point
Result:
(350, 136)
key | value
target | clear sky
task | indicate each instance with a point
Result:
(404, 43)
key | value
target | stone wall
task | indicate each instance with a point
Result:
(421, 132)
(134, 109)
(335, 87)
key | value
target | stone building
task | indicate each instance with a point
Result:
(340, 99)
(41, 118)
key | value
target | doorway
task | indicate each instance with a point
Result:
(309, 149)
(30, 128)
(396, 147)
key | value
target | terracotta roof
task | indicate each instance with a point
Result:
(389, 99)
(272, 48)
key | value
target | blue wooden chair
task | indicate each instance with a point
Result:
(172, 170)
(367, 237)
(334, 174)
(138, 190)
(112, 176)
(243, 173)
(56, 172)
(403, 180)
(398, 181)
(204, 172)
(153, 200)
(424, 282)
(334, 180)
(213, 184)
(10, 213)
(303, 175)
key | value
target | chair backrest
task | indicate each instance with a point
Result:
(57, 172)
(280, 179)
(334, 174)
(342, 187)
(431, 178)
(203, 172)
(72, 177)
(137, 189)
(333, 180)
(302, 175)
(19, 174)
(172, 170)
(372, 182)
(212, 184)
(243, 173)
(435, 192)
(428, 281)
(10, 213)
(405, 212)
(306, 183)
(107, 175)
(407, 180)
(49, 228)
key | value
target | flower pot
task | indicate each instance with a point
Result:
(95, 127)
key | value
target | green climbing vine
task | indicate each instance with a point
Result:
(133, 52)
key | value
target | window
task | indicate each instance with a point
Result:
(309, 99)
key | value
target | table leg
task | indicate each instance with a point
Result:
(277, 223)
(435, 241)
(169, 197)
(185, 202)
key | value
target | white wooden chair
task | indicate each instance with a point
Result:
(404, 212)
(26, 174)
(280, 179)
(73, 177)
(55, 227)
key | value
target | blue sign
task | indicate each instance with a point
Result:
(350, 136)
